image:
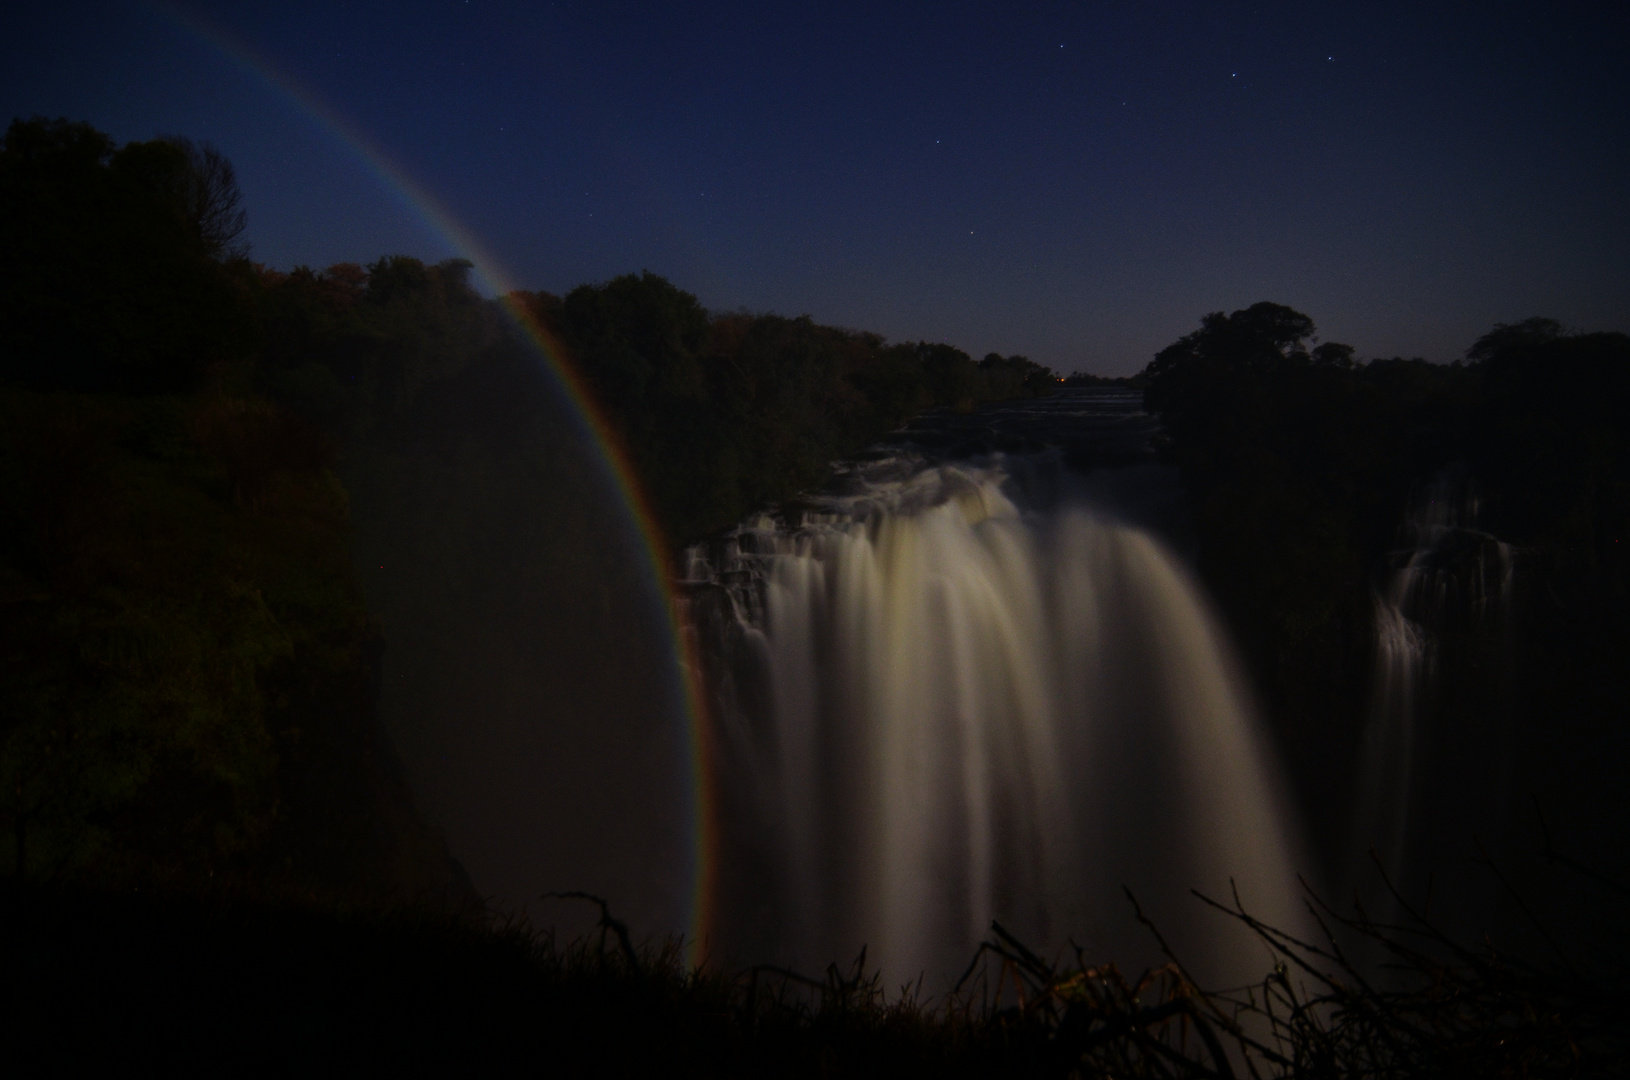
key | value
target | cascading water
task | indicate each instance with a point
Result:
(934, 709)
(1452, 583)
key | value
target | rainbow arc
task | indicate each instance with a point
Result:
(594, 424)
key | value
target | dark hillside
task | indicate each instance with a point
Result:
(1302, 467)
(188, 677)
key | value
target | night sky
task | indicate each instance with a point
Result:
(1076, 182)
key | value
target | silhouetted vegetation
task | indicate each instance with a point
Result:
(188, 682)
(721, 414)
(119, 268)
(219, 985)
(187, 669)
(1301, 465)
(725, 414)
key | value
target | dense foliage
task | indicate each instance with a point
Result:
(721, 414)
(120, 269)
(188, 670)
(1298, 460)
(186, 666)
(725, 414)
(1302, 464)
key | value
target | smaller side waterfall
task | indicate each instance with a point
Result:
(1450, 590)
(935, 710)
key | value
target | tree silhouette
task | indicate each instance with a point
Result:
(120, 268)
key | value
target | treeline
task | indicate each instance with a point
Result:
(721, 414)
(1081, 380)
(724, 414)
(1302, 465)
(188, 667)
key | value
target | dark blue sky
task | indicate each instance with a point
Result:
(1074, 181)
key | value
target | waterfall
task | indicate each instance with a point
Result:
(934, 709)
(1452, 583)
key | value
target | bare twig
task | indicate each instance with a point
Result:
(607, 923)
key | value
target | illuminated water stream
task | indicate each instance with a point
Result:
(938, 705)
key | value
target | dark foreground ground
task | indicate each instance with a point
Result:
(226, 987)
